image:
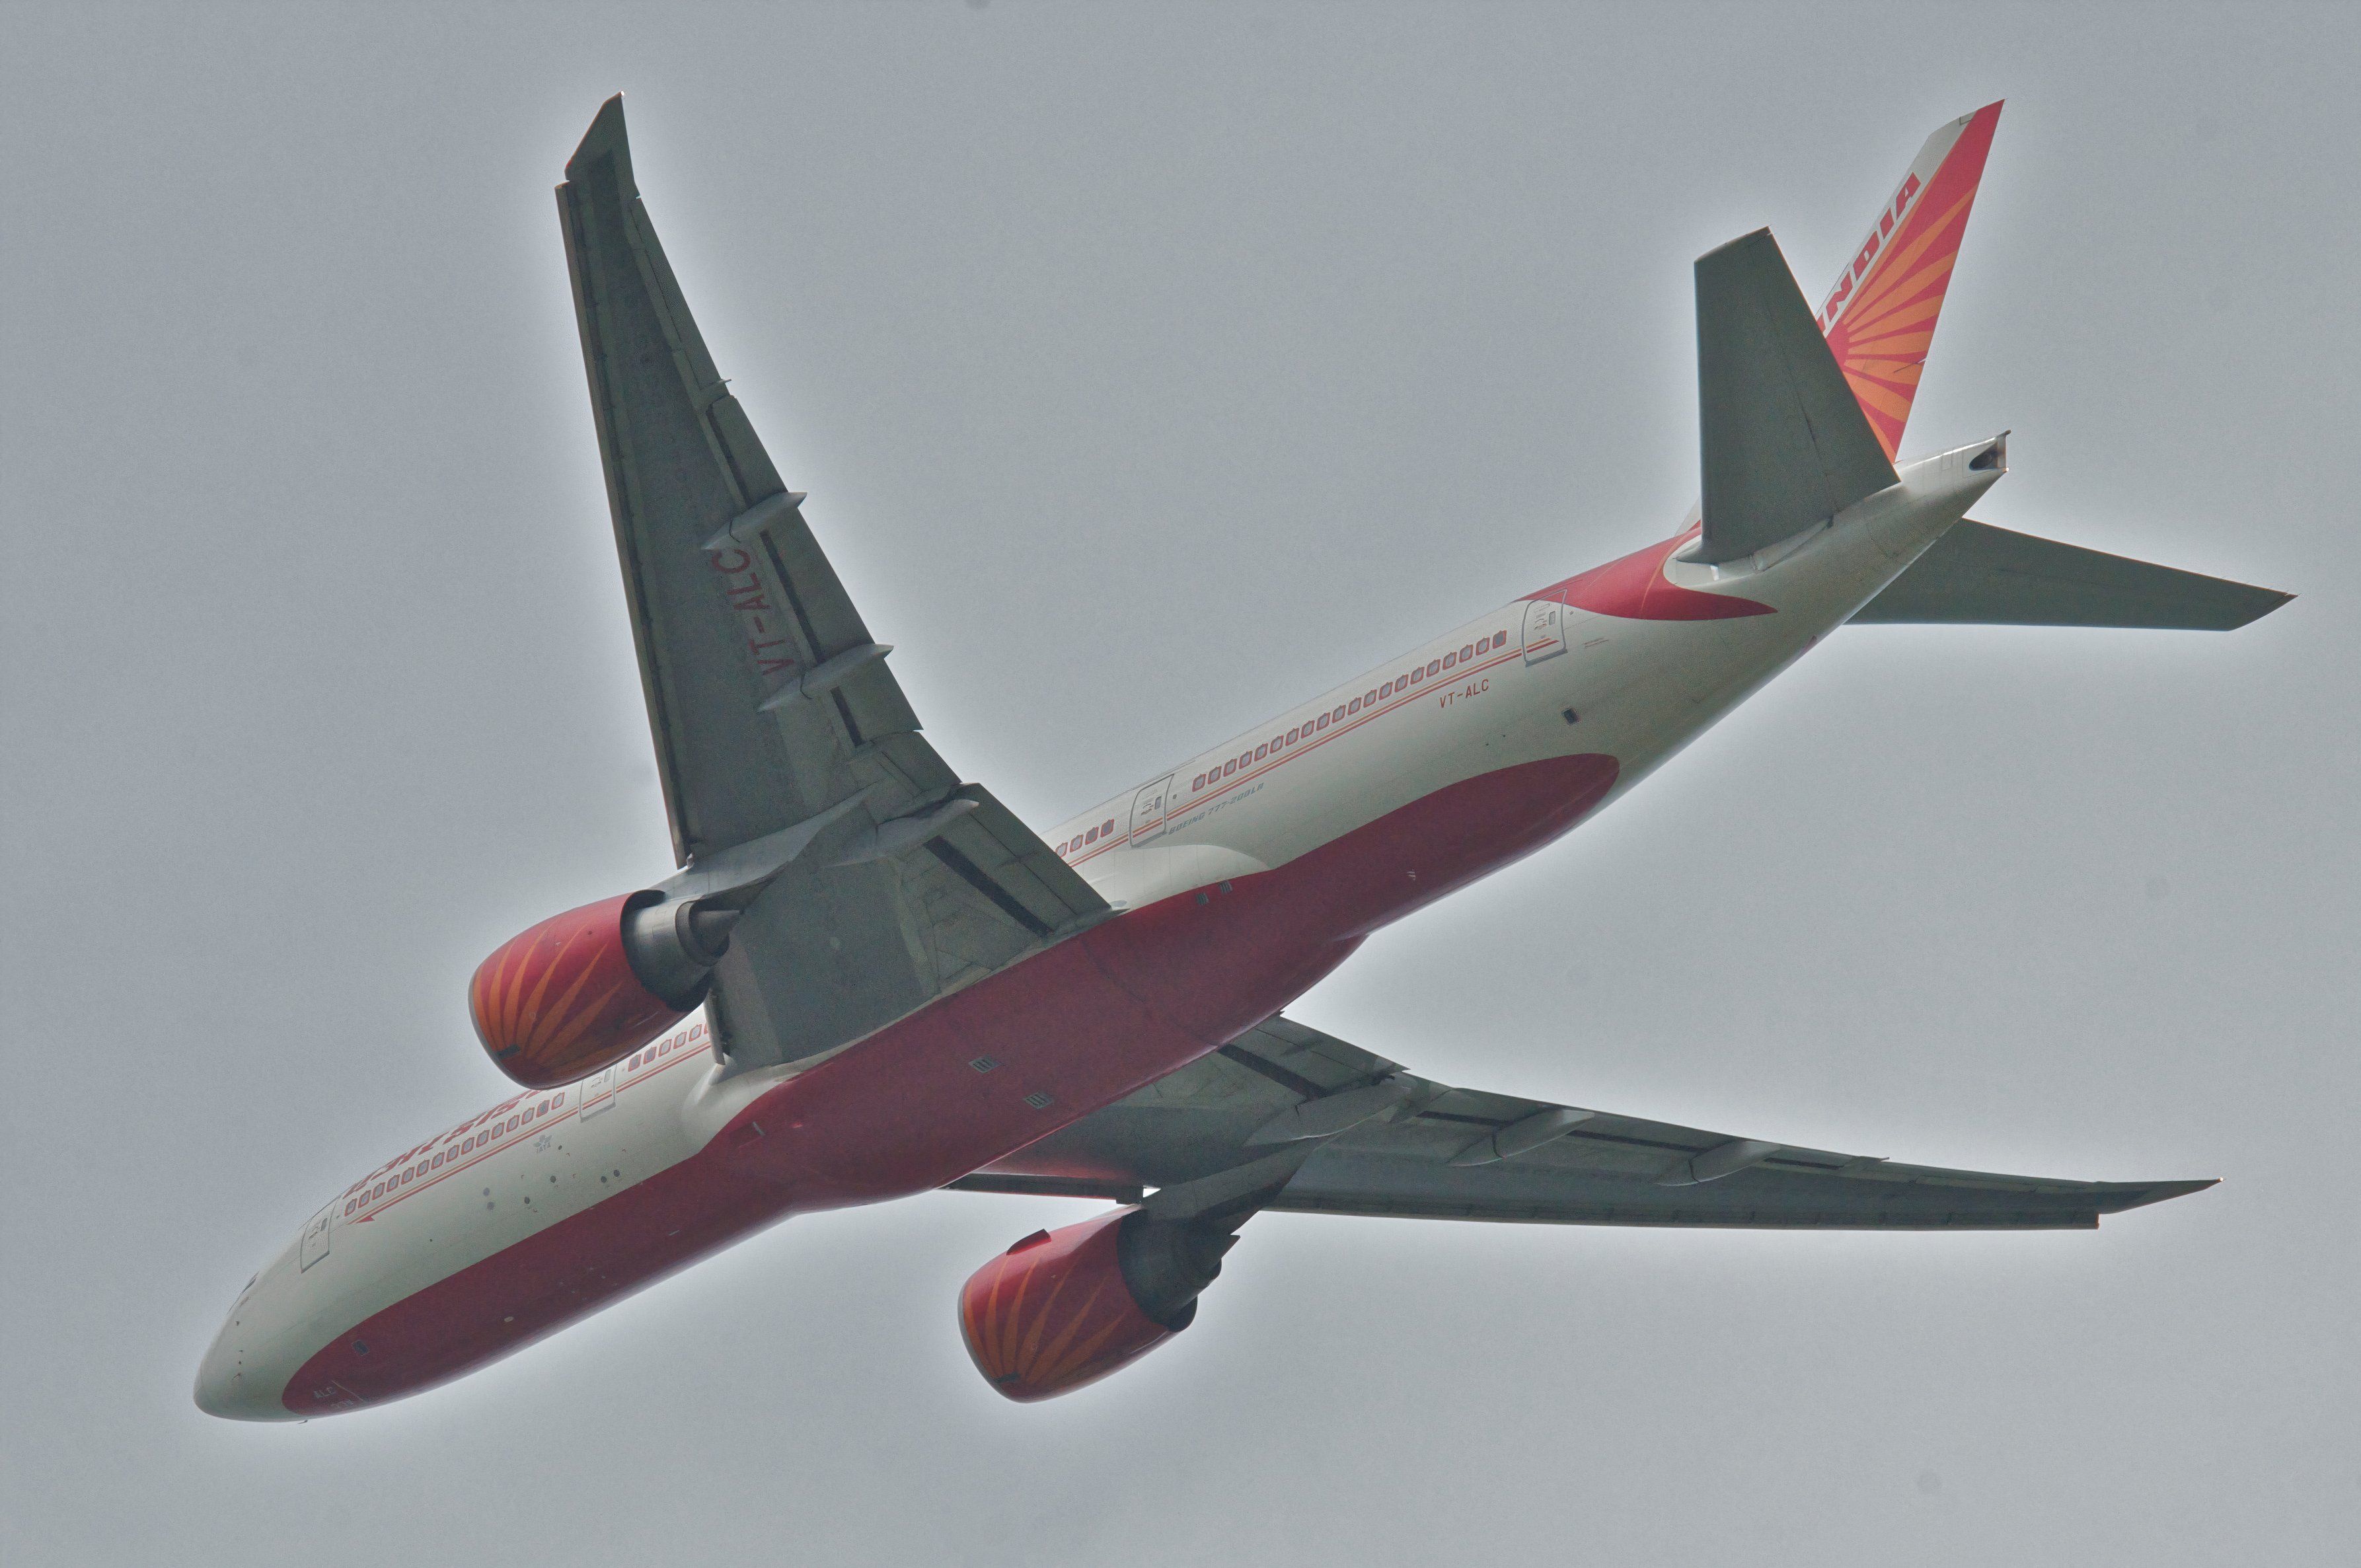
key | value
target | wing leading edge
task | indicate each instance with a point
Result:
(1432, 1151)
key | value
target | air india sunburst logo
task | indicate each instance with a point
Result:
(1880, 318)
(560, 1000)
(1053, 1312)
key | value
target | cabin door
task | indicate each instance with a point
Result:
(1544, 629)
(1147, 809)
(598, 1093)
(315, 1239)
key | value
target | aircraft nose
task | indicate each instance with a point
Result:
(230, 1387)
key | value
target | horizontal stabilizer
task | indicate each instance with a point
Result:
(1782, 440)
(1977, 575)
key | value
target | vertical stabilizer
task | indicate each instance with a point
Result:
(1880, 316)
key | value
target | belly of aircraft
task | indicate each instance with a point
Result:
(964, 1082)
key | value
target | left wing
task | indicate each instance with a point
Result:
(1287, 1117)
(798, 788)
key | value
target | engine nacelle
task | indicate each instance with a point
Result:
(565, 998)
(1064, 1307)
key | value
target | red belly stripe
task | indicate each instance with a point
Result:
(1083, 1023)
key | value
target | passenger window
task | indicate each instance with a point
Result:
(350, 1204)
(1368, 699)
(1354, 705)
(1499, 638)
(1260, 753)
(1466, 654)
(1197, 783)
(436, 1164)
(1386, 690)
(1449, 660)
(1323, 722)
(1229, 767)
(1091, 837)
(513, 1123)
(1433, 667)
(1338, 714)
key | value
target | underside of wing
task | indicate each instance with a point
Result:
(1251, 1116)
(865, 878)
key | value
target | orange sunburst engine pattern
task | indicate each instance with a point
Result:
(1053, 1312)
(559, 1001)
(1880, 317)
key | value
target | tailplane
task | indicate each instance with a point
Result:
(1977, 575)
(1782, 443)
(1880, 316)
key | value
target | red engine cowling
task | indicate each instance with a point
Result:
(1053, 1312)
(582, 989)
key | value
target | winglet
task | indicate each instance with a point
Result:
(1880, 315)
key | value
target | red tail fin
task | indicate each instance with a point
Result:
(1880, 317)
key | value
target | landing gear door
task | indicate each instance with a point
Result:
(1544, 629)
(315, 1239)
(1147, 809)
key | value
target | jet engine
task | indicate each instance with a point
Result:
(1064, 1307)
(565, 998)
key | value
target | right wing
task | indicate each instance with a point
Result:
(1250, 1123)
(776, 718)
(1977, 575)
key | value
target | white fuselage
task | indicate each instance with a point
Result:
(1562, 680)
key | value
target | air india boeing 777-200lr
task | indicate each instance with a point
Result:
(867, 979)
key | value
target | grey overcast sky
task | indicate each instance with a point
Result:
(317, 686)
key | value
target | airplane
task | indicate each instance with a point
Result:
(866, 979)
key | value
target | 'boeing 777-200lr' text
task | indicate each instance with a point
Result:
(866, 977)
